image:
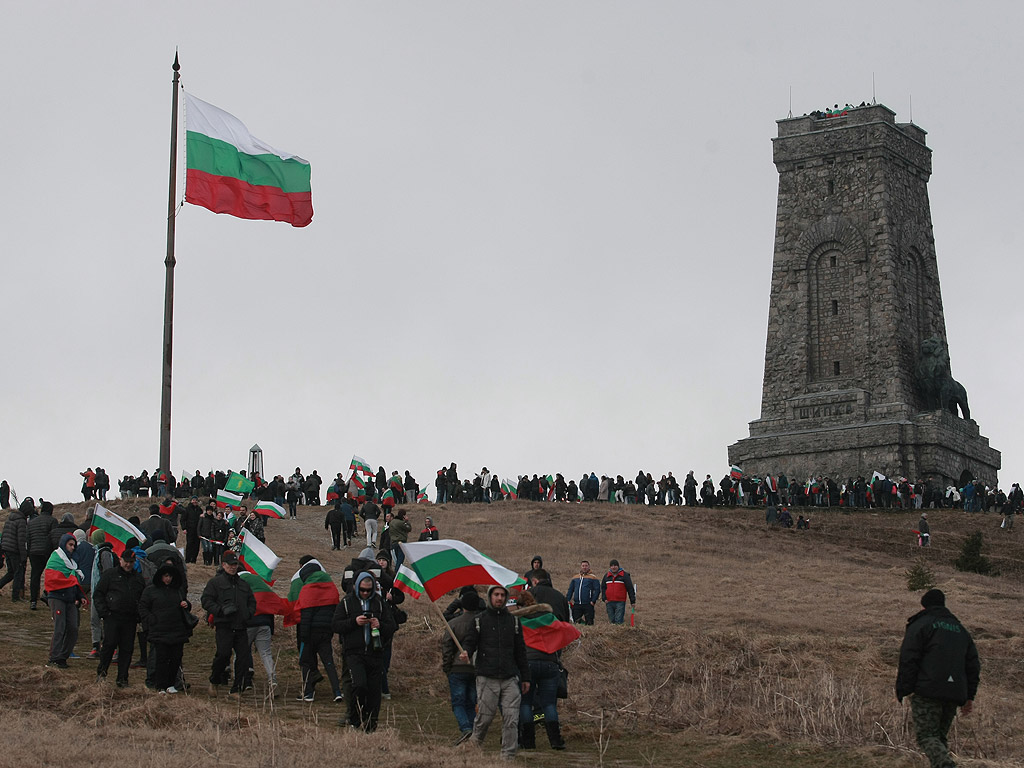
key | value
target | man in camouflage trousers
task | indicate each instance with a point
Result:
(939, 670)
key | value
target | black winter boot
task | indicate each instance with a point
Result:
(554, 735)
(527, 736)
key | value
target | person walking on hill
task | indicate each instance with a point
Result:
(40, 529)
(583, 594)
(461, 675)
(229, 599)
(939, 670)
(616, 586)
(370, 513)
(924, 531)
(502, 670)
(15, 546)
(63, 584)
(117, 595)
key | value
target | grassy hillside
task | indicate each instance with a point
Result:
(751, 647)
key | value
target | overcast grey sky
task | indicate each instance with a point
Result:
(542, 237)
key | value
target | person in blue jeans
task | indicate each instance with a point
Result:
(462, 676)
(540, 702)
(616, 587)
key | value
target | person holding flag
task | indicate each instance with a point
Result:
(496, 644)
(315, 634)
(62, 582)
(543, 658)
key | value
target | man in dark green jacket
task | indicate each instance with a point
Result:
(939, 670)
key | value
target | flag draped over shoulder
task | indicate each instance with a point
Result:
(257, 557)
(268, 602)
(228, 170)
(318, 589)
(434, 568)
(546, 633)
(270, 509)
(115, 528)
(236, 483)
(60, 572)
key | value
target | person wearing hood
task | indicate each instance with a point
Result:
(461, 675)
(314, 634)
(66, 525)
(583, 594)
(103, 559)
(364, 626)
(117, 596)
(536, 564)
(63, 584)
(83, 557)
(495, 642)
(231, 603)
(15, 546)
(162, 610)
(939, 669)
(40, 544)
(429, 532)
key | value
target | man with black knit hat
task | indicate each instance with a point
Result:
(939, 669)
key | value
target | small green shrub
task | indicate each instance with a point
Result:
(920, 576)
(971, 559)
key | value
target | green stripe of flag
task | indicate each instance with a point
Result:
(223, 159)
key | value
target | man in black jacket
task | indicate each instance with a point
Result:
(190, 522)
(939, 669)
(502, 670)
(364, 626)
(117, 597)
(40, 529)
(231, 603)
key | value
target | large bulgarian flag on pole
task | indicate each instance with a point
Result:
(258, 557)
(318, 589)
(60, 572)
(231, 171)
(115, 528)
(434, 568)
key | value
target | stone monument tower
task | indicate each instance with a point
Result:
(856, 368)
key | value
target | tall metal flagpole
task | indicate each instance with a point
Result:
(165, 390)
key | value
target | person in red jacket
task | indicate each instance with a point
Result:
(616, 587)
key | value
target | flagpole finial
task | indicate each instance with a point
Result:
(175, 66)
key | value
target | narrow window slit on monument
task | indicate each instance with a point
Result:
(835, 310)
(835, 367)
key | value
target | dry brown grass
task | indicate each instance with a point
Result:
(751, 647)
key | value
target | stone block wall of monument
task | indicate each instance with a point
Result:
(854, 293)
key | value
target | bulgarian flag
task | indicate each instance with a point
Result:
(360, 465)
(61, 572)
(735, 472)
(509, 489)
(184, 477)
(231, 171)
(258, 557)
(228, 500)
(547, 634)
(115, 528)
(270, 509)
(396, 482)
(236, 483)
(551, 487)
(388, 498)
(268, 602)
(422, 497)
(318, 589)
(434, 568)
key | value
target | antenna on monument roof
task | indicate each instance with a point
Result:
(873, 101)
(911, 108)
(790, 102)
